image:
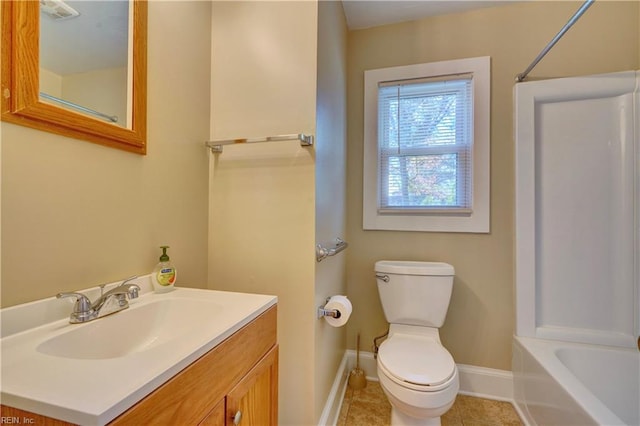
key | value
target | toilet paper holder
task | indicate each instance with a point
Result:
(322, 312)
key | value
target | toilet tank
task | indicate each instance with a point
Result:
(414, 293)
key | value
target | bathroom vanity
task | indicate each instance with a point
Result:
(217, 366)
(235, 381)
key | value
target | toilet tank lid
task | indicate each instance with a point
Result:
(406, 267)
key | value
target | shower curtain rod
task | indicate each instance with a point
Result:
(520, 77)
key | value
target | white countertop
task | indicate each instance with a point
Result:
(95, 391)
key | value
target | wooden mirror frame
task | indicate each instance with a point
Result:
(21, 102)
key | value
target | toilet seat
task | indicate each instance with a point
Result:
(416, 362)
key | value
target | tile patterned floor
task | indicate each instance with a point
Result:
(370, 407)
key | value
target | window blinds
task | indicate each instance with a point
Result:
(425, 143)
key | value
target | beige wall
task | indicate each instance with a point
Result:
(75, 214)
(262, 196)
(479, 324)
(262, 83)
(331, 168)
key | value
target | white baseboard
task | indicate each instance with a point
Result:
(486, 382)
(481, 382)
(331, 411)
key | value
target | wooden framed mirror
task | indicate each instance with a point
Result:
(24, 103)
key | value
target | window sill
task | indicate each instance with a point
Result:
(470, 223)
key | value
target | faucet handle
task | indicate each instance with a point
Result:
(83, 304)
(81, 309)
(133, 291)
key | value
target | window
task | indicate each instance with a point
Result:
(426, 156)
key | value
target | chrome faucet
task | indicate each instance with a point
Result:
(110, 302)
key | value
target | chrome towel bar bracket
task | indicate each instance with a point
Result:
(323, 252)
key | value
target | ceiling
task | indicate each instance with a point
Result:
(370, 13)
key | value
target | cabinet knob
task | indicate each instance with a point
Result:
(237, 418)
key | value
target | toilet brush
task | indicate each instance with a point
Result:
(357, 379)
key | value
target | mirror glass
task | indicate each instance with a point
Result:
(82, 50)
(85, 58)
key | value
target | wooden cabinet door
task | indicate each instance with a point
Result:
(254, 400)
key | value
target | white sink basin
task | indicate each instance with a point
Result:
(133, 330)
(90, 373)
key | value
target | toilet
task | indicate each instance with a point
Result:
(417, 374)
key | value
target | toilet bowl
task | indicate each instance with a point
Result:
(418, 376)
(416, 372)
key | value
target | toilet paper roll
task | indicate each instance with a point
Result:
(342, 305)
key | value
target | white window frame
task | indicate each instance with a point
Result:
(477, 220)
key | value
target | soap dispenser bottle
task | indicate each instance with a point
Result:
(164, 274)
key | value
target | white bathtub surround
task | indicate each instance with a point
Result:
(474, 381)
(575, 358)
(575, 200)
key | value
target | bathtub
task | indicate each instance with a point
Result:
(559, 383)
